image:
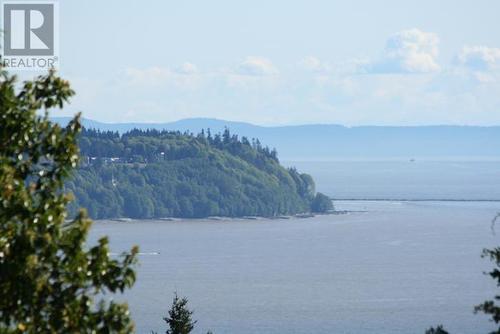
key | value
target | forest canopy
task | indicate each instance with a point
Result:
(156, 174)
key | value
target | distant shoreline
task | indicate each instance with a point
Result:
(224, 218)
(298, 216)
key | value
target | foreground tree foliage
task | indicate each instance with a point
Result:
(49, 277)
(491, 307)
(438, 330)
(179, 318)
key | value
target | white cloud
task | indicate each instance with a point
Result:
(408, 51)
(324, 91)
(480, 58)
(186, 76)
(314, 64)
(256, 66)
(147, 76)
(187, 68)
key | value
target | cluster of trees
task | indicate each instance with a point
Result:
(97, 143)
(51, 279)
(147, 174)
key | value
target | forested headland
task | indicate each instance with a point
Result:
(156, 174)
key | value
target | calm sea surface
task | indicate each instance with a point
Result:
(385, 267)
(406, 179)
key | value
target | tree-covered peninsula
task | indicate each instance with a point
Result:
(156, 174)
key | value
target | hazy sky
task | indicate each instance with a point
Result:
(284, 62)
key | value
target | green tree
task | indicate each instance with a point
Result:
(438, 330)
(179, 318)
(193, 178)
(491, 307)
(321, 203)
(49, 277)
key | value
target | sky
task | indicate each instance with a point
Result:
(283, 62)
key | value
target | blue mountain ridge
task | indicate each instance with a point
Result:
(323, 142)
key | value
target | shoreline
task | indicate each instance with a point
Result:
(296, 216)
(228, 218)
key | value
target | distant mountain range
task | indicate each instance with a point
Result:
(329, 142)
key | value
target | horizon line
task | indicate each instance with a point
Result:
(278, 125)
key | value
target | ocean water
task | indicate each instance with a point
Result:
(458, 178)
(385, 267)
